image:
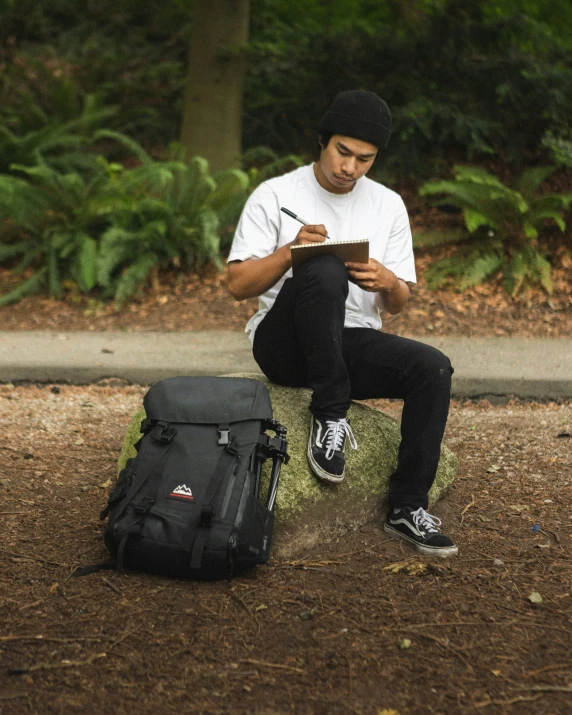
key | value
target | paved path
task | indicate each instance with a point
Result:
(483, 366)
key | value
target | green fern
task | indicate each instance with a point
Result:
(110, 226)
(32, 285)
(50, 209)
(54, 142)
(8, 251)
(480, 268)
(513, 218)
(134, 277)
(437, 238)
(442, 272)
(531, 180)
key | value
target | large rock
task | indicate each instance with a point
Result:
(308, 511)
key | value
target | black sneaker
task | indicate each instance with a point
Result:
(419, 529)
(326, 448)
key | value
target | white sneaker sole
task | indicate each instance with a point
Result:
(442, 551)
(319, 472)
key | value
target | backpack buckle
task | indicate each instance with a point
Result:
(166, 434)
(223, 431)
(142, 508)
(232, 447)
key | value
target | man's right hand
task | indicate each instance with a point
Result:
(251, 278)
(310, 234)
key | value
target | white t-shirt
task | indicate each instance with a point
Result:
(370, 211)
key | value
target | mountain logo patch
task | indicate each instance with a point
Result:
(182, 492)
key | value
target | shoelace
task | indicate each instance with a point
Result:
(334, 436)
(426, 521)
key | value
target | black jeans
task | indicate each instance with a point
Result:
(302, 342)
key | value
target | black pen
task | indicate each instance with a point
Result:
(297, 218)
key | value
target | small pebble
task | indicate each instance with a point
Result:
(498, 562)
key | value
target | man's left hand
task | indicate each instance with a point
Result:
(372, 276)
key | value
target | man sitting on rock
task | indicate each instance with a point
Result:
(320, 328)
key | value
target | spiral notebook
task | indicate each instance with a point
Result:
(354, 251)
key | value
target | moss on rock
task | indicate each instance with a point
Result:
(309, 511)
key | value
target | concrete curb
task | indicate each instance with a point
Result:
(538, 369)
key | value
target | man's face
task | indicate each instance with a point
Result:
(343, 162)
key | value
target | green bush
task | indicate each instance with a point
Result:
(165, 212)
(503, 226)
(130, 55)
(110, 227)
(462, 78)
(60, 144)
(560, 147)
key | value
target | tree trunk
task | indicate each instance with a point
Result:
(212, 116)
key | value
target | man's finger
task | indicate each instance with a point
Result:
(318, 228)
(358, 266)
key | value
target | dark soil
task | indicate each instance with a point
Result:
(358, 625)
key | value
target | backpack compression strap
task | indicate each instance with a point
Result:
(227, 463)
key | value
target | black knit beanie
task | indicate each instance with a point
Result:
(359, 114)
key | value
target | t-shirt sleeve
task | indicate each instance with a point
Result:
(398, 255)
(258, 229)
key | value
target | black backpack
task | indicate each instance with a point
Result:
(188, 504)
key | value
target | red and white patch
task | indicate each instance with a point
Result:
(182, 492)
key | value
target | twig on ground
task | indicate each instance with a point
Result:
(56, 666)
(278, 666)
(512, 701)
(121, 638)
(112, 586)
(445, 645)
(247, 609)
(12, 696)
(49, 639)
(548, 688)
(31, 558)
(533, 673)
(31, 605)
(469, 505)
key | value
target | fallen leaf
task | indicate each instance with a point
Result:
(516, 509)
(262, 607)
(413, 568)
(496, 672)
(79, 440)
(404, 643)
(535, 597)
(493, 469)
(106, 484)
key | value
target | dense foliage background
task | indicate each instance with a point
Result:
(470, 77)
(90, 91)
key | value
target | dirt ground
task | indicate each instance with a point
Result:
(202, 302)
(358, 625)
